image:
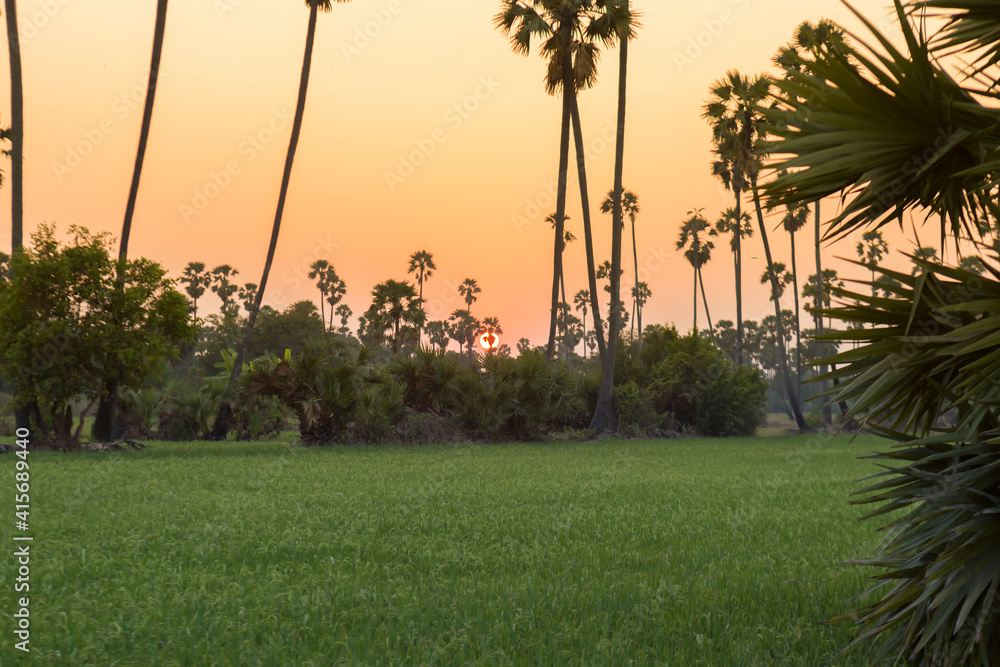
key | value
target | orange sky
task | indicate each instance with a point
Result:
(387, 76)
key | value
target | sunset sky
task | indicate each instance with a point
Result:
(393, 83)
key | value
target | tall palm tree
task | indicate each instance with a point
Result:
(222, 284)
(795, 218)
(568, 237)
(736, 112)
(697, 251)
(571, 54)
(336, 288)
(197, 280)
(736, 224)
(104, 419)
(344, 312)
(871, 249)
(469, 289)
(582, 300)
(395, 304)
(641, 294)
(222, 422)
(630, 205)
(317, 272)
(16, 132)
(422, 264)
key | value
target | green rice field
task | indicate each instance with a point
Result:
(667, 552)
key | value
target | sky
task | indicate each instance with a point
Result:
(422, 131)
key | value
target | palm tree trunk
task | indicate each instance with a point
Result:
(104, 420)
(221, 427)
(783, 355)
(708, 316)
(798, 325)
(22, 415)
(564, 313)
(696, 301)
(322, 306)
(820, 300)
(635, 304)
(560, 203)
(584, 334)
(604, 417)
(739, 277)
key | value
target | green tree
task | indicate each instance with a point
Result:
(317, 272)
(247, 295)
(104, 420)
(222, 284)
(64, 327)
(336, 289)
(196, 280)
(422, 264)
(641, 294)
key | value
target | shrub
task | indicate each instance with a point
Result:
(634, 409)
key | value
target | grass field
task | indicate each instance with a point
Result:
(694, 552)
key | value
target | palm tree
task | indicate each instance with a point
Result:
(582, 300)
(630, 205)
(222, 422)
(727, 225)
(469, 289)
(641, 294)
(197, 280)
(394, 304)
(103, 428)
(738, 130)
(463, 328)
(15, 134)
(344, 312)
(572, 59)
(696, 251)
(871, 249)
(422, 264)
(247, 295)
(335, 290)
(437, 334)
(796, 217)
(925, 254)
(317, 272)
(222, 284)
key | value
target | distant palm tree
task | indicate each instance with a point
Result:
(735, 112)
(222, 422)
(394, 303)
(925, 253)
(641, 294)
(582, 300)
(871, 249)
(317, 272)
(103, 428)
(469, 289)
(796, 217)
(197, 280)
(437, 334)
(15, 134)
(422, 264)
(630, 205)
(696, 250)
(222, 284)
(248, 293)
(778, 274)
(335, 290)
(344, 312)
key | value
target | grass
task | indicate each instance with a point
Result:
(696, 552)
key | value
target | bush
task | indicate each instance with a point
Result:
(634, 409)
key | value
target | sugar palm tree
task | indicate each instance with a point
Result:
(795, 218)
(344, 312)
(222, 422)
(394, 304)
(582, 300)
(735, 112)
(15, 134)
(641, 294)
(871, 249)
(197, 280)
(696, 249)
(422, 264)
(317, 272)
(336, 288)
(247, 295)
(568, 237)
(222, 284)
(630, 206)
(104, 419)
(468, 290)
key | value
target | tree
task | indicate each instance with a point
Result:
(795, 218)
(820, 293)
(738, 130)
(196, 280)
(972, 264)
(568, 237)
(15, 134)
(523, 345)
(286, 330)
(630, 205)
(925, 253)
(571, 57)
(64, 327)
(104, 420)
(344, 312)
(697, 252)
(582, 300)
(871, 249)
(491, 325)
(395, 304)
(641, 294)
(437, 333)
(879, 128)
(468, 290)
(225, 412)
(336, 288)
(777, 274)
(248, 293)
(463, 329)
(222, 285)
(317, 272)
(422, 264)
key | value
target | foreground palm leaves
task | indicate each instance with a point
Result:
(927, 373)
